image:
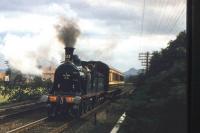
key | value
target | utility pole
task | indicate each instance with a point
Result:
(145, 59)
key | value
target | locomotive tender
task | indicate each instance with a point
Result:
(81, 85)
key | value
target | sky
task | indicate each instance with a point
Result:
(114, 32)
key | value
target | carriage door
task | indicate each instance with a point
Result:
(100, 82)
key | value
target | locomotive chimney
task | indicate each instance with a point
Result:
(68, 53)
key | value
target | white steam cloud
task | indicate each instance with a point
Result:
(27, 53)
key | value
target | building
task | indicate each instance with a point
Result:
(48, 73)
(2, 75)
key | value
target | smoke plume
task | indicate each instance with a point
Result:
(68, 31)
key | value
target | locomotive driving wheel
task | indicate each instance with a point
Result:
(51, 113)
(78, 110)
(83, 103)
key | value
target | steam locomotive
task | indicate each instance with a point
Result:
(81, 85)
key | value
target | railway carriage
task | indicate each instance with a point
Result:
(81, 85)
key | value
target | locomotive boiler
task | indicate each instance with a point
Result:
(81, 85)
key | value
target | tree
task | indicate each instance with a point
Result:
(159, 102)
(37, 82)
(166, 58)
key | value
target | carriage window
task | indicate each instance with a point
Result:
(121, 78)
(95, 83)
(100, 83)
(89, 84)
(115, 77)
(110, 77)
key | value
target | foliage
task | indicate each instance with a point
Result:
(131, 79)
(27, 93)
(164, 60)
(159, 102)
(20, 87)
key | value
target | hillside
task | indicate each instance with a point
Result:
(131, 72)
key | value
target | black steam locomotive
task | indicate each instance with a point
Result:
(80, 85)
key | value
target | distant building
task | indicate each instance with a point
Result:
(29, 78)
(2, 75)
(48, 73)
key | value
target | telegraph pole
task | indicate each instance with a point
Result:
(145, 59)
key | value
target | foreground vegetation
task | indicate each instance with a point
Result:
(158, 104)
(20, 90)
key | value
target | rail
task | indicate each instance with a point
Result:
(27, 126)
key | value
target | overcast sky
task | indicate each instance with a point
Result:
(111, 31)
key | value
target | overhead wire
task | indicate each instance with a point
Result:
(177, 19)
(163, 16)
(173, 15)
(162, 5)
(181, 23)
(142, 21)
(166, 19)
(152, 22)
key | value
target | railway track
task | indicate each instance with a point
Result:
(17, 106)
(44, 125)
(21, 119)
(16, 110)
(21, 104)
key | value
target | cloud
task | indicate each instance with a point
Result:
(24, 23)
(117, 52)
(126, 16)
(24, 5)
(121, 16)
(110, 31)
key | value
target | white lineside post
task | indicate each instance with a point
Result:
(119, 122)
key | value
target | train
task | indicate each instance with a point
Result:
(80, 85)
